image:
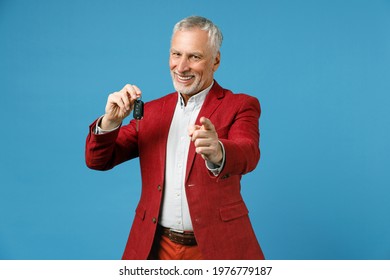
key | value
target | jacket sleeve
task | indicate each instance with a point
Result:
(242, 151)
(104, 151)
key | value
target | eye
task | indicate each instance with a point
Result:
(175, 54)
(196, 57)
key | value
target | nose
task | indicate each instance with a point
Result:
(183, 65)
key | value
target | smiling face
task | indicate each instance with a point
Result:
(192, 62)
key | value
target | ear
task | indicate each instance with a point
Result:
(217, 61)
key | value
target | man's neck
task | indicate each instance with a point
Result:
(186, 97)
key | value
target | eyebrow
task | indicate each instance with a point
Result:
(196, 53)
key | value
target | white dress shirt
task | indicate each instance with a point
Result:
(174, 212)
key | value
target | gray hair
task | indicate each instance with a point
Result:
(215, 35)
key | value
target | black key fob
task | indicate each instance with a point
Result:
(138, 111)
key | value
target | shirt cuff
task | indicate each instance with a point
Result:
(215, 168)
(98, 130)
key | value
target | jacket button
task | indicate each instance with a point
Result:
(154, 220)
(159, 188)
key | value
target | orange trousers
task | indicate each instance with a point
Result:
(165, 249)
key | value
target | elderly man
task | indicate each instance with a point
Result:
(193, 145)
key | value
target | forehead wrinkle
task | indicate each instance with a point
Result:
(186, 38)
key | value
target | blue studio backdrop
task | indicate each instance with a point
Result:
(321, 70)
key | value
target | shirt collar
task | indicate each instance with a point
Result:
(198, 98)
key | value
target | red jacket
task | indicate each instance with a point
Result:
(219, 215)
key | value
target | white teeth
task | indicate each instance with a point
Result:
(184, 77)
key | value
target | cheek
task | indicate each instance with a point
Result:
(206, 69)
(172, 64)
(205, 72)
(198, 70)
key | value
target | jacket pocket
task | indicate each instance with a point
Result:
(233, 211)
(140, 212)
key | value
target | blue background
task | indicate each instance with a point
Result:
(321, 70)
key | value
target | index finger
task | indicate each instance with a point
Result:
(206, 124)
(133, 91)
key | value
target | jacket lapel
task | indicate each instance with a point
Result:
(167, 111)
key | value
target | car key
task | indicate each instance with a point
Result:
(138, 111)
